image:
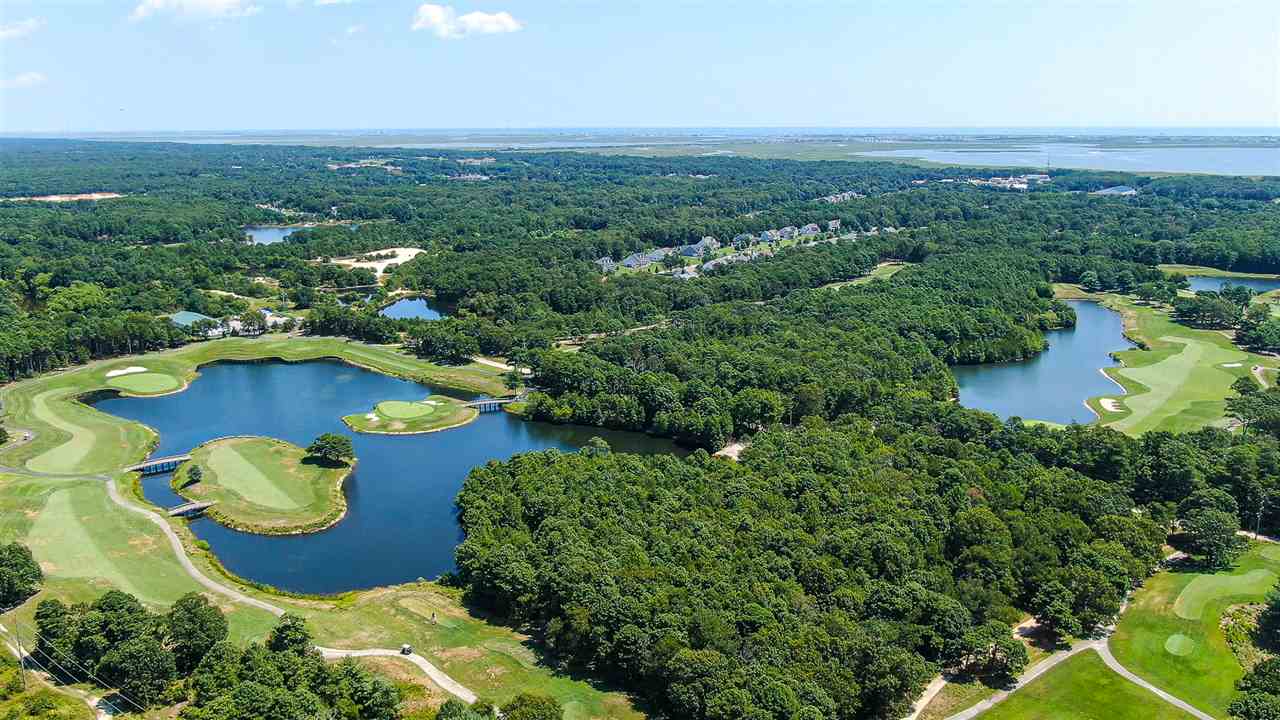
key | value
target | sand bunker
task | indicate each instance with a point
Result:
(1232, 365)
(1110, 404)
(67, 198)
(402, 255)
(126, 371)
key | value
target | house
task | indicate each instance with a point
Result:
(700, 248)
(833, 226)
(606, 264)
(274, 319)
(743, 239)
(685, 273)
(810, 229)
(186, 318)
(787, 232)
(657, 254)
(636, 261)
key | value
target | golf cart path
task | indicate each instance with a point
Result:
(436, 674)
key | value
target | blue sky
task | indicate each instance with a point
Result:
(288, 64)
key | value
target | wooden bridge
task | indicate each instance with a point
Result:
(190, 509)
(491, 404)
(155, 466)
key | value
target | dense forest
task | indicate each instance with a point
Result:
(874, 533)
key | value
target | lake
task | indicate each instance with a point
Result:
(1054, 384)
(400, 522)
(409, 308)
(1178, 159)
(1204, 282)
(269, 234)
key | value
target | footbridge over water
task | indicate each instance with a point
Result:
(188, 509)
(491, 404)
(155, 466)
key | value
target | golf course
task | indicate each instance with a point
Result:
(399, 417)
(265, 486)
(1178, 381)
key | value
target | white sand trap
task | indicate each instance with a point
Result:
(370, 416)
(126, 371)
(1232, 364)
(401, 256)
(430, 402)
(1110, 404)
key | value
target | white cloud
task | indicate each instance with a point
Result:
(198, 8)
(22, 28)
(23, 80)
(446, 23)
(355, 29)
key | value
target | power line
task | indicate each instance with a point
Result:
(66, 656)
(114, 710)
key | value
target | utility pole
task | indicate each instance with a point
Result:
(22, 660)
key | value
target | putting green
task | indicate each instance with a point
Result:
(401, 410)
(1179, 644)
(1188, 384)
(146, 383)
(1205, 589)
(238, 474)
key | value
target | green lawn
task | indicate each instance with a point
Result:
(265, 486)
(74, 438)
(1209, 272)
(883, 270)
(1170, 633)
(398, 417)
(1083, 688)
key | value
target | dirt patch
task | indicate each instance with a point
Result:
(461, 654)
(142, 543)
(420, 694)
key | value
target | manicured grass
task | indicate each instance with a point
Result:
(397, 417)
(87, 545)
(72, 438)
(265, 486)
(881, 271)
(148, 383)
(1179, 382)
(1170, 633)
(959, 694)
(1203, 271)
(1083, 688)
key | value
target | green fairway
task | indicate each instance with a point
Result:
(147, 383)
(401, 410)
(264, 485)
(1181, 380)
(397, 417)
(1083, 688)
(1170, 633)
(87, 545)
(71, 437)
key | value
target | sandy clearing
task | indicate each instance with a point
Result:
(67, 198)
(402, 255)
(126, 371)
(1110, 404)
(1232, 365)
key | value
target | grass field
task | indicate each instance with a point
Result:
(73, 438)
(1083, 688)
(1180, 382)
(398, 417)
(960, 694)
(1170, 633)
(37, 700)
(1203, 271)
(883, 270)
(264, 486)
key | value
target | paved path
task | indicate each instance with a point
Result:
(1105, 651)
(437, 675)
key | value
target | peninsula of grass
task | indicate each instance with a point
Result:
(400, 417)
(1179, 377)
(1202, 271)
(1084, 688)
(71, 437)
(265, 486)
(1171, 633)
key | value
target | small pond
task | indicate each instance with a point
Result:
(400, 523)
(409, 308)
(1204, 282)
(269, 234)
(1054, 384)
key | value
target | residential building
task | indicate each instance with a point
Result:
(810, 229)
(700, 248)
(606, 264)
(833, 226)
(636, 261)
(787, 232)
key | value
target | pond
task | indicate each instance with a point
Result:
(409, 308)
(400, 522)
(1054, 384)
(1205, 282)
(268, 234)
